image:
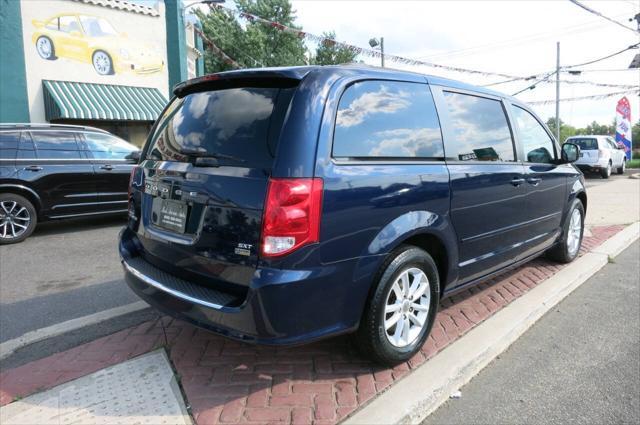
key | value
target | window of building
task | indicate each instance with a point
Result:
(56, 144)
(480, 129)
(537, 145)
(387, 119)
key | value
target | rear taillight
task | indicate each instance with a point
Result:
(291, 215)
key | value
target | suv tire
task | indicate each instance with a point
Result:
(565, 250)
(622, 168)
(606, 172)
(408, 311)
(15, 212)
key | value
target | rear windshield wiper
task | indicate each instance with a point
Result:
(204, 158)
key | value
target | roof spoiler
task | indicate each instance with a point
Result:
(233, 79)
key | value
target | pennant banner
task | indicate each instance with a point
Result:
(623, 125)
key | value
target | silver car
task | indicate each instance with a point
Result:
(599, 154)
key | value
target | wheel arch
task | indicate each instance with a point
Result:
(25, 191)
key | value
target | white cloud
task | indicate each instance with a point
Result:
(418, 142)
(381, 101)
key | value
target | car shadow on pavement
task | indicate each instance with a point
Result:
(56, 227)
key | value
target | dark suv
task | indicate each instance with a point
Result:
(59, 171)
(282, 206)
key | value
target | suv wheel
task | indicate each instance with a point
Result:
(623, 167)
(17, 218)
(606, 172)
(402, 307)
(567, 249)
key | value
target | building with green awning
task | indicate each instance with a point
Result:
(103, 63)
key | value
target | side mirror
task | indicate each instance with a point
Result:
(133, 157)
(570, 152)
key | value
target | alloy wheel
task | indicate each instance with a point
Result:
(14, 219)
(407, 307)
(574, 232)
(102, 63)
(44, 47)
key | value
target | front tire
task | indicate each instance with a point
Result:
(102, 63)
(568, 248)
(623, 167)
(402, 307)
(18, 218)
(606, 172)
(45, 48)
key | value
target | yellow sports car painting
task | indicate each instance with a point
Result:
(93, 40)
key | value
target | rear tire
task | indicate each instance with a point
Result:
(401, 308)
(568, 247)
(606, 172)
(623, 167)
(18, 218)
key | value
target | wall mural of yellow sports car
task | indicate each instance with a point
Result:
(93, 40)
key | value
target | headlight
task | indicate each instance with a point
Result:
(124, 53)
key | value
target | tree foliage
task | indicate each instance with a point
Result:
(594, 128)
(329, 53)
(253, 44)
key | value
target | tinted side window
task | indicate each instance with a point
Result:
(56, 144)
(104, 146)
(537, 145)
(480, 128)
(9, 141)
(26, 150)
(387, 119)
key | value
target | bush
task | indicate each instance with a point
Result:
(635, 154)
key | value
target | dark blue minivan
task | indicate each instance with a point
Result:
(285, 205)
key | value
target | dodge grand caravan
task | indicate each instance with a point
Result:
(285, 205)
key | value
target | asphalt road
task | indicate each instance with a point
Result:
(595, 179)
(579, 364)
(65, 270)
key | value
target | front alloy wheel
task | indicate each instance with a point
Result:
(17, 218)
(102, 63)
(44, 46)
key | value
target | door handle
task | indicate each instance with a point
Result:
(33, 168)
(517, 182)
(534, 180)
(107, 167)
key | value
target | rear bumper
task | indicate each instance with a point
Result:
(282, 307)
(593, 168)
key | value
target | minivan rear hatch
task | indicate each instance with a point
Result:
(206, 169)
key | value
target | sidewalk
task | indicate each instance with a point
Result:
(230, 382)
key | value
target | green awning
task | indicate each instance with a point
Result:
(88, 101)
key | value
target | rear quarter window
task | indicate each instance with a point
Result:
(239, 126)
(56, 144)
(387, 119)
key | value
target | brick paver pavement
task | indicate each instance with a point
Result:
(231, 382)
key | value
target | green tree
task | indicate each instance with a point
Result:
(635, 133)
(565, 129)
(253, 44)
(329, 53)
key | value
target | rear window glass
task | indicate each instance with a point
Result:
(387, 119)
(480, 128)
(587, 144)
(238, 126)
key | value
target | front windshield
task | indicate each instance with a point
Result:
(97, 27)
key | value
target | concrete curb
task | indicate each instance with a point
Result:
(424, 390)
(9, 347)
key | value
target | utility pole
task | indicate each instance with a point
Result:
(382, 51)
(558, 92)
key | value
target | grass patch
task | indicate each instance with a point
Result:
(634, 163)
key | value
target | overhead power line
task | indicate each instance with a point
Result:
(633, 46)
(595, 12)
(591, 97)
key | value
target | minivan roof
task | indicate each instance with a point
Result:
(297, 73)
